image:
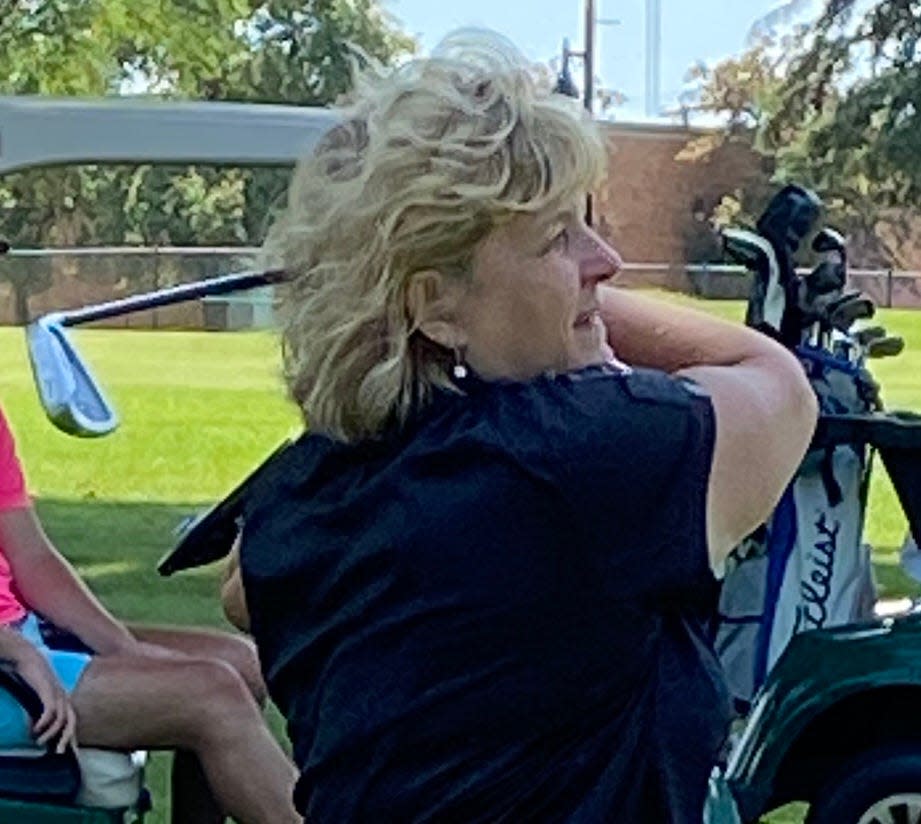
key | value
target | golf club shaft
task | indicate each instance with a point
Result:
(173, 294)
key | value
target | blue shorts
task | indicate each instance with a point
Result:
(15, 724)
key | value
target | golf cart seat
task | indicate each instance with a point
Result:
(42, 787)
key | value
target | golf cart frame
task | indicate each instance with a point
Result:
(41, 132)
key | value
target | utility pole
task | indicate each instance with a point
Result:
(589, 57)
(653, 57)
(564, 82)
(589, 65)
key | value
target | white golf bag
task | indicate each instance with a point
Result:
(807, 568)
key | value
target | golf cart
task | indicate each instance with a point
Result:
(828, 690)
(96, 786)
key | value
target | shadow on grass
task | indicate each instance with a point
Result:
(116, 547)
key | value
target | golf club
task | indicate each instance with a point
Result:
(69, 394)
(852, 307)
(830, 240)
(886, 347)
(826, 278)
(757, 254)
(221, 285)
(869, 333)
(68, 391)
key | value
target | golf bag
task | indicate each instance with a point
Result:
(807, 567)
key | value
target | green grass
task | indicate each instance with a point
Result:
(198, 411)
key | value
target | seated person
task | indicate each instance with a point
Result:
(194, 691)
(479, 584)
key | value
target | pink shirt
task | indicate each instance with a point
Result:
(13, 495)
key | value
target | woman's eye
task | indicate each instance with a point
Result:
(560, 242)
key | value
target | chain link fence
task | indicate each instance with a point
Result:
(36, 281)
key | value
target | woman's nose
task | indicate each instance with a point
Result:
(598, 260)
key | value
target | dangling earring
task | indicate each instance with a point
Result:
(459, 370)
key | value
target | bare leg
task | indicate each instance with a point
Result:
(236, 650)
(200, 705)
(193, 801)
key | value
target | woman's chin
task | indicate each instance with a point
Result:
(596, 356)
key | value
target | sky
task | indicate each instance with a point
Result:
(692, 30)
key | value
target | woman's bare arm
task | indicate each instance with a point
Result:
(233, 597)
(50, 585)
(765, 408)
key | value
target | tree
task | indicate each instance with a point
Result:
(781, 17)
(47, 48)
(742, 92)
(303, 53)
(833, 107)
(849, 123)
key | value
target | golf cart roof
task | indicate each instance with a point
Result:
(41, 131)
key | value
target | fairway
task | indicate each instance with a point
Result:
(198, 411)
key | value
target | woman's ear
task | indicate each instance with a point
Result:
(431, 305)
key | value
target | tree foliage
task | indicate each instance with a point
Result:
(278, 51)
(855, 93)
(837, 106)
(849, 123)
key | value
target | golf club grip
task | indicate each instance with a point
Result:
(172, 294)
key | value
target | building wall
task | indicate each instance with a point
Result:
(662, 183)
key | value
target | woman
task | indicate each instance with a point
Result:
(194, 691)
(478, 586)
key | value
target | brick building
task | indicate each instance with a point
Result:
(663, 181)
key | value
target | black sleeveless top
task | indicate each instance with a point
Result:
(498, 613)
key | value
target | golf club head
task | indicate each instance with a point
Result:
(887, 347)
(746, 247)
(69, 394)
(768, 301)
(826, 278)
(817, 290)
(789, 217)
(869, 333)
(853, 307)
(829, 240)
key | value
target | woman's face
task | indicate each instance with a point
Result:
(532, 305)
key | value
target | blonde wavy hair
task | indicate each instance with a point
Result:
(429, 157)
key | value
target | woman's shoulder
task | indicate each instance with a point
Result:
(589, 395)
(591, 412)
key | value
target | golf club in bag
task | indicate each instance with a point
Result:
(69, 393)
(807, 567)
